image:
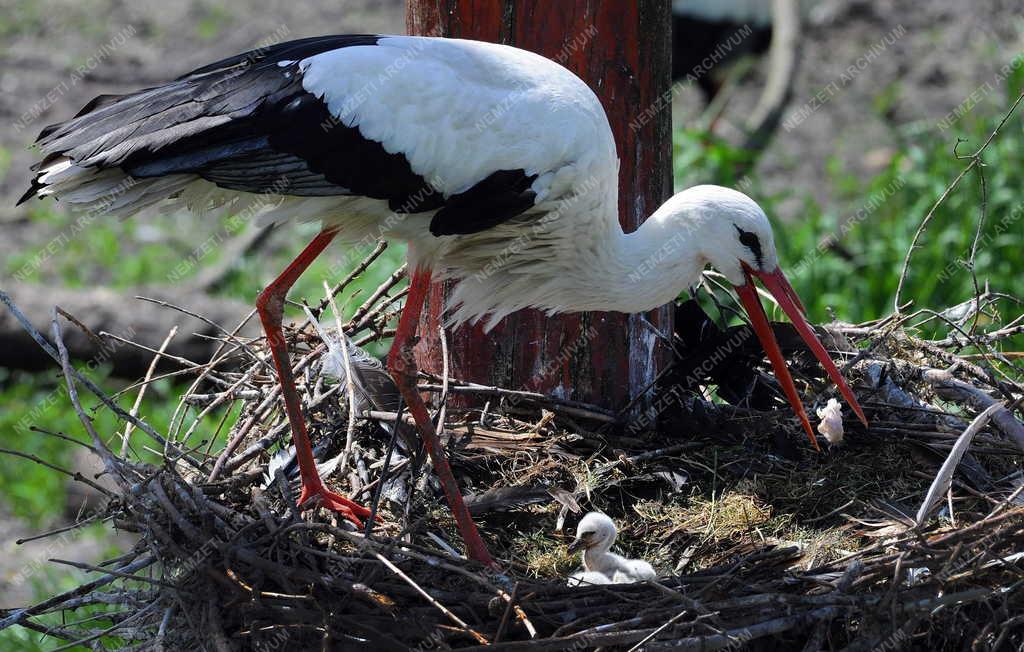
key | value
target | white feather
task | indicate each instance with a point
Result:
(477, 107)
(280, 460)
(284, 459)
(633, 570)
(831, 425)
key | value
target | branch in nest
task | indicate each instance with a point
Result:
(952, 389)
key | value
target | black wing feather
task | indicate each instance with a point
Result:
(499, 197)
(246, 123)
(287, 51)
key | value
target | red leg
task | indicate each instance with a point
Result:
(404, 372)
(270, 306)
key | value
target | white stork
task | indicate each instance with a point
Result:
(708, 35)
(497, 167)
(715, 32)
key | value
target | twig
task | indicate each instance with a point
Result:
(356, 323)
(112, 466)
(67, 528)
(443, 400)
(575, 408)
(949, 386)
(231, 336)
(443, 609)
(52, 352)
(126, 437)
(138, 615)
(350, 385)
(783, 57)
(16, 616)
(71, 474)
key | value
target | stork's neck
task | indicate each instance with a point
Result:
(649, 267)
(584, 263)
(596, 558)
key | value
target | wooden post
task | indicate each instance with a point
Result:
(621, 49)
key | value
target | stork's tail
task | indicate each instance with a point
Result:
(83, 157)
(91, 190)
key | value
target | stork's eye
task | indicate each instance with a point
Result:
(751, 242)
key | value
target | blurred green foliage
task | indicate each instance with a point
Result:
(214, 19)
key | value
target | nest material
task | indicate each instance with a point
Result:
(755, 551)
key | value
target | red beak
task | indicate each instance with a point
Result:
(776, 283)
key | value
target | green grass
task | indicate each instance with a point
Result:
(22, 17)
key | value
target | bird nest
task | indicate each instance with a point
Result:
(908, 535)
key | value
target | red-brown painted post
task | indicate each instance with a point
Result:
(621, 48)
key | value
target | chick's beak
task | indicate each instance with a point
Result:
(777, 284)
(577, 545)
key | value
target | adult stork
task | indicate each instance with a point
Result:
(716, 32)
(709, 35)
(497, 167)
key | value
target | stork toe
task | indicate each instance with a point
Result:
(335, 502)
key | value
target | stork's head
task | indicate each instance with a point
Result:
(732, 234)
(596, 531)
(730, 230)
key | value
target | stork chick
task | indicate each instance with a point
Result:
(595, 535)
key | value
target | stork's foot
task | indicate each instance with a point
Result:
(314, 495)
